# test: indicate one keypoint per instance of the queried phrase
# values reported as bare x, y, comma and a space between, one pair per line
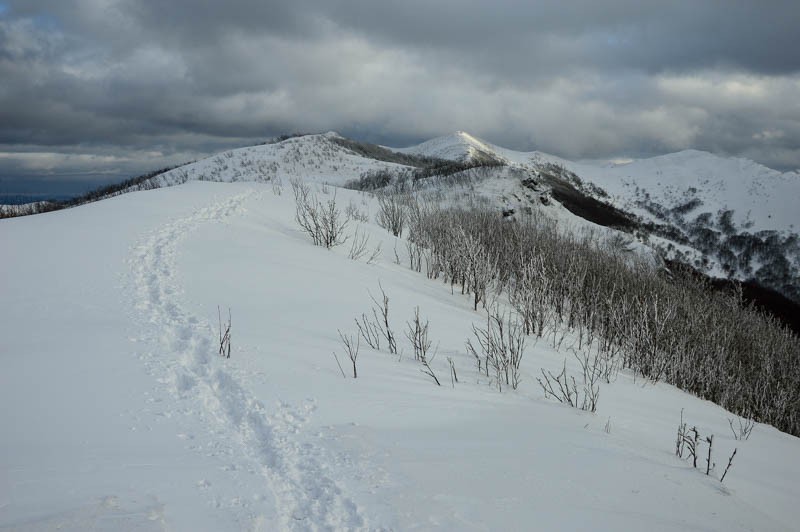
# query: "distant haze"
93, 91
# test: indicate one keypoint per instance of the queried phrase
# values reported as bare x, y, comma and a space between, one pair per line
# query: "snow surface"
460, 146
119, 415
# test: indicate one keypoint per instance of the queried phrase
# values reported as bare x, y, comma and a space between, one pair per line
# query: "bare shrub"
381, 314
351, 344
354, 213
564, 389
370, 331
500, 346
743, 429
453, 374
224, 335
359, 245
688, 443
375, 255
417, 334
392, 213
323, 222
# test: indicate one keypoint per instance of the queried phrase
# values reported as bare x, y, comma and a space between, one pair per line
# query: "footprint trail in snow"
298, 494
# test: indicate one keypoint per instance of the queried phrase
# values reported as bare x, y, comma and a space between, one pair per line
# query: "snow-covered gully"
253, 437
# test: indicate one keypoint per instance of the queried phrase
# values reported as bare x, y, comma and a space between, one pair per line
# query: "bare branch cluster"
688, 443
499, 350
322, 221
417, 334
392, 213
224, 335
743, 429
381, 314
565, 389
351, 344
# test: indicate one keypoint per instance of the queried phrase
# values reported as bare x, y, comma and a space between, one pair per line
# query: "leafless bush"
453, 374
224, 335
381, 314
743, 429
414, 251
370, 331
392, 213
376, 253
417, 334
323, 222
688, 443
351, 344
352, 212
500, 346
564, 389
359, 245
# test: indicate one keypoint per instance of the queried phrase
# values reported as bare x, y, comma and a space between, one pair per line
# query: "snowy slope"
314, 158
119, 415
757, 194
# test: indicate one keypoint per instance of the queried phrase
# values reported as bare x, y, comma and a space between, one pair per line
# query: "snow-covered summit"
458, 146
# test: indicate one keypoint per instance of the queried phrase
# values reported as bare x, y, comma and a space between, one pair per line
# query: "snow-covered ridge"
758, 195
315, 158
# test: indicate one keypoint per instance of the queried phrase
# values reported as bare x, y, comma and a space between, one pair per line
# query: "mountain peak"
457, 146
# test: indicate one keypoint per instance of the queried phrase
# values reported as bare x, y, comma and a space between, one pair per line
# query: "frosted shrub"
323, 222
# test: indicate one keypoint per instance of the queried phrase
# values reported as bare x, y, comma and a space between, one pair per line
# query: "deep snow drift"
119, 415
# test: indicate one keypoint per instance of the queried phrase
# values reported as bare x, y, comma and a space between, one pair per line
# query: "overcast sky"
103, 89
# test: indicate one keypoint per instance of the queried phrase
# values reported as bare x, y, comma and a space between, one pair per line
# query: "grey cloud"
580, 79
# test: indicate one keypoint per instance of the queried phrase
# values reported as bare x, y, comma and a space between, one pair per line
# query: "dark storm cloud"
140, 84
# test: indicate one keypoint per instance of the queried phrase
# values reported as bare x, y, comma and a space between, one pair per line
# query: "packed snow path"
207, 387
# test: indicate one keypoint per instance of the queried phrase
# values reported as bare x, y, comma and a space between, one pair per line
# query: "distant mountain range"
727, 217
